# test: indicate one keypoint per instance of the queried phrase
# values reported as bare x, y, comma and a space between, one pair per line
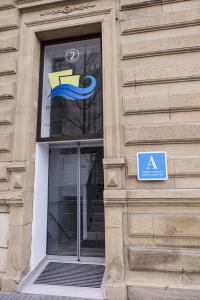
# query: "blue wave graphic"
71, 92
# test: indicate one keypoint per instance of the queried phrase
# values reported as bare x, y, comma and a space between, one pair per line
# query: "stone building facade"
151, 102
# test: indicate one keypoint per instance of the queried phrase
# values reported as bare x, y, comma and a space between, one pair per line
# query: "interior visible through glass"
62, 206
66, 165
92, 208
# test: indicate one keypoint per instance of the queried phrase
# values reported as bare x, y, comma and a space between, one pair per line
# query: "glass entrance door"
75, 207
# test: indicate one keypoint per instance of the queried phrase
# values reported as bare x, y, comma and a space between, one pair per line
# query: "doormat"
69, 274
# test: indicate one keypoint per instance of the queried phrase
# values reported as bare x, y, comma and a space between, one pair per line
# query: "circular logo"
72, 55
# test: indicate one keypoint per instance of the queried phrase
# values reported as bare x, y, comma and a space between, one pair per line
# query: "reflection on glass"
62, 206
92, 208
72, 119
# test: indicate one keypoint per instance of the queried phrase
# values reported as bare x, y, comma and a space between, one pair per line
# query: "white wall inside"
40, 203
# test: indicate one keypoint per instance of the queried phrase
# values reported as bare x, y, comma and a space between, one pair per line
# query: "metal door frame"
78, 144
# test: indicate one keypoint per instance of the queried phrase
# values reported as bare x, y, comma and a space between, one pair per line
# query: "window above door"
70, 99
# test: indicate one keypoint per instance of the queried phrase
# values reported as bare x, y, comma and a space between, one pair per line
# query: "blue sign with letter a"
152, 166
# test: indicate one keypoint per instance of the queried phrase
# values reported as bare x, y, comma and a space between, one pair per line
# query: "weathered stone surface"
157, 260
112, 168
4, 226
8, 44
191, 279
7, 90
179, 225
133, 4
3, 174
191, 262
11, 198
113, 217
169, 229
151, 104
116, 291
153, 197
8, 64
153, 293
9, 21
6, 115
3, 259
113, 162
16, 216
18, 180
5, 142
187, 166
160, 74
185, 102
161, 103
161, 46
164, 225
140, 225
114, 257
161, 21
112, 178
114, 197
16, 166
5, 4
162, 134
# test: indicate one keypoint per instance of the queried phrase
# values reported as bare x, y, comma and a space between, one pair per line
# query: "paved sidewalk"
17, 296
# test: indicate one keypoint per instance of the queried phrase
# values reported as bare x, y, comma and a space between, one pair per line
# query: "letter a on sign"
151, 164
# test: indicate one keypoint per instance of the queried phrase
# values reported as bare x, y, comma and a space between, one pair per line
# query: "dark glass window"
71, 98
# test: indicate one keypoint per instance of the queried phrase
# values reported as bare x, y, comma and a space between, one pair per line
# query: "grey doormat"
72, 274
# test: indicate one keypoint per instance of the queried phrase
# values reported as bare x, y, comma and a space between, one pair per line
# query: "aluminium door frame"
77, 144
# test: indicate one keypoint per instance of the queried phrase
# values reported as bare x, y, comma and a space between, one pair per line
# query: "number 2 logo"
72, 55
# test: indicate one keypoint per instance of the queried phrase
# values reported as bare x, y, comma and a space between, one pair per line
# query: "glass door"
62, 202
75, 207
92, 235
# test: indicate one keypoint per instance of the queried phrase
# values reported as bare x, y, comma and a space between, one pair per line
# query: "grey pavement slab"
17, 296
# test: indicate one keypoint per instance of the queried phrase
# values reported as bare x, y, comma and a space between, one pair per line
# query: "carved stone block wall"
47, 20
11, 185
160, 84
151, 75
